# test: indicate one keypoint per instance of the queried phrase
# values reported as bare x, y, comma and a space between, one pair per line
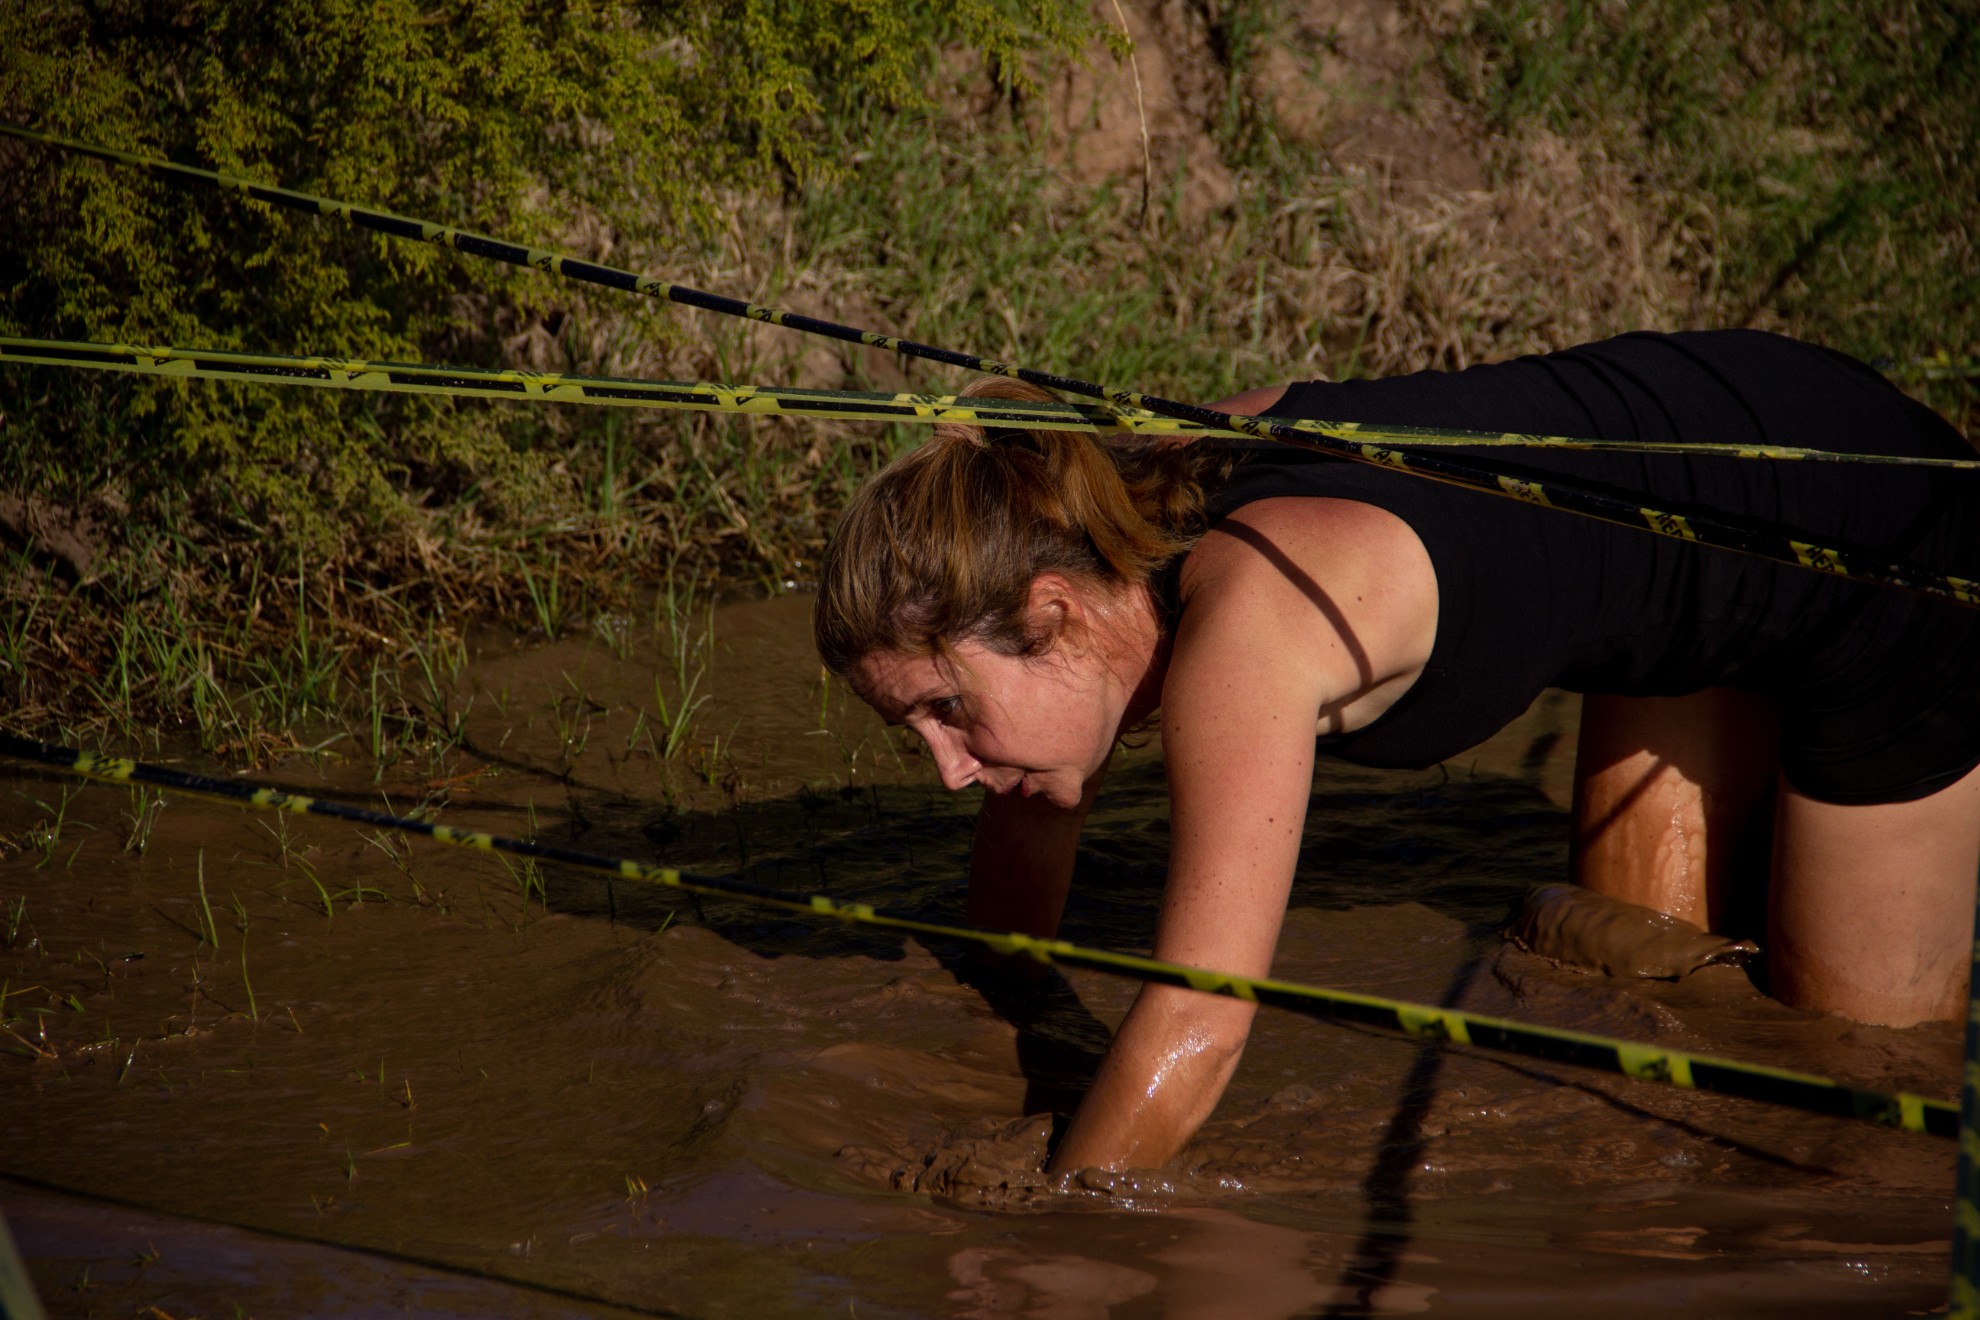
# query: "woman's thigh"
1665, 798
1871, 913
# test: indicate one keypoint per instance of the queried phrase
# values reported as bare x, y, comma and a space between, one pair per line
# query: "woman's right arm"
1021, 865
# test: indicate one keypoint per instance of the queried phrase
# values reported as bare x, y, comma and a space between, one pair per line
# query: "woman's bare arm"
1293, 610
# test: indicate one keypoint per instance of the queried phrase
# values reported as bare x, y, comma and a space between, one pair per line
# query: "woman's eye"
946, 709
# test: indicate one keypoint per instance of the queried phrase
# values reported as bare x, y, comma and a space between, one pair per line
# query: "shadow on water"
905, 850
1385, 1238
1373, 1264
1471, 847
1059, 1041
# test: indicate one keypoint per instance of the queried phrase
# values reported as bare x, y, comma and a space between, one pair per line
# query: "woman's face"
1040, 727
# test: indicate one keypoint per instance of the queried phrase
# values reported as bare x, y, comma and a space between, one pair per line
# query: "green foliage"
1239, 33
1836, 144
791, 151
626, 124
1032, 271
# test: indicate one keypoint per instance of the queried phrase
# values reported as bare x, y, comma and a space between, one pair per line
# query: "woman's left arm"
1290, 614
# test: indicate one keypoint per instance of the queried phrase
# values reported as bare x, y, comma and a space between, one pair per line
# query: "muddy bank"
322, 1034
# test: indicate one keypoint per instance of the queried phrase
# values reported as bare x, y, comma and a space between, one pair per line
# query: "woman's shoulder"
1319, 568
1315, 526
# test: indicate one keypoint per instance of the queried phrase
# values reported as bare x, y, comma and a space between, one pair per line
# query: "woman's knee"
1670, 798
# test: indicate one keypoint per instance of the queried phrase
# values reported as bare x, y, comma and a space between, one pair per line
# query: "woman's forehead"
894, 681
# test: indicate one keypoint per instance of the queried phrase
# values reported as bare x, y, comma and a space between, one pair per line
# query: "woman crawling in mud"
1022, 600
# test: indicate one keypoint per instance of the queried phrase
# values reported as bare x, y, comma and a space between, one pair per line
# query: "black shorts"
1889, 709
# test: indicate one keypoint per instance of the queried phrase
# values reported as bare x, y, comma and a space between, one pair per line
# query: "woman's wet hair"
943, 544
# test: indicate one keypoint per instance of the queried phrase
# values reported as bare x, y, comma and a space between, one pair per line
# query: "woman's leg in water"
1665, 792
1871, 913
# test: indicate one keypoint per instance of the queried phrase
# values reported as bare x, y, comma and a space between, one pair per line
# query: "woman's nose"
953, 762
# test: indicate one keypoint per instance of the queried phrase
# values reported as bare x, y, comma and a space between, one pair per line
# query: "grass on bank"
1835, 148
1777, 173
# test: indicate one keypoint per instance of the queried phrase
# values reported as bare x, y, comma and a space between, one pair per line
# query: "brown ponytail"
942, 545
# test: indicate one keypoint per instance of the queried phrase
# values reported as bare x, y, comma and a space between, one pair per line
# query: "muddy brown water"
416, 1080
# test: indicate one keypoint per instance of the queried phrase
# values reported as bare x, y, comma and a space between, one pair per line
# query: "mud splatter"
1573, 928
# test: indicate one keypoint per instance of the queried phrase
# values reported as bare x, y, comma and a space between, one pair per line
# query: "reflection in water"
1223, 1256
995, 1281
1371, 1276
705, 1108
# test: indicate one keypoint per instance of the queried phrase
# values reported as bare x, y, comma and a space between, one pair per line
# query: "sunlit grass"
1831, 144
1805, 166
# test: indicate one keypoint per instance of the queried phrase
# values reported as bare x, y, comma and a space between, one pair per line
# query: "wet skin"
1257, 642
1300, 605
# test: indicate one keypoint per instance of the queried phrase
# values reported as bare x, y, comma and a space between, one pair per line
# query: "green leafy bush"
607, 125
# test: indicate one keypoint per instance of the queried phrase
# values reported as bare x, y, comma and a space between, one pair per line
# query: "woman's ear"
1056, 616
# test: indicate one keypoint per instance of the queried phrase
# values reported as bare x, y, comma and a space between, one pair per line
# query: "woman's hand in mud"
1169, 1064
997, 1165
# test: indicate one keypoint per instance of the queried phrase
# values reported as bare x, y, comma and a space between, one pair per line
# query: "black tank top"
1530, 597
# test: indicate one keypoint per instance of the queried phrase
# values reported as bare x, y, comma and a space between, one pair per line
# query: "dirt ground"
1458, 234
